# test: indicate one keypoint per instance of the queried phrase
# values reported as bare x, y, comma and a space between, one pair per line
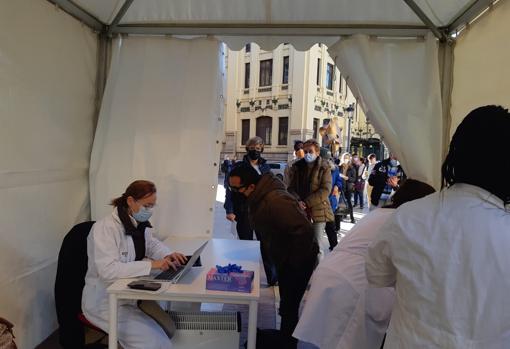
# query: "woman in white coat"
341, 311
121, 245
448, 254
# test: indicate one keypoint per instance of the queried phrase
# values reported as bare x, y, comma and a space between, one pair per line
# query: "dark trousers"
331, 233
358, 194
348, 196
293, 281
245, 232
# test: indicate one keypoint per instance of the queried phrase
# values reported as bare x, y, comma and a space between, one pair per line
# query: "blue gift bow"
230, 268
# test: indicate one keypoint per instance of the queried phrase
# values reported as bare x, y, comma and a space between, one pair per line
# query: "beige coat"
319, 182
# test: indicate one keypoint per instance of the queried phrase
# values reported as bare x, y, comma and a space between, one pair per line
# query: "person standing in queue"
289, 235
311, 185
121, 245
237, 210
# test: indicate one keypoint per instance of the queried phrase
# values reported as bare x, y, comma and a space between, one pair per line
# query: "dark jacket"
348, 184
378, 179
288, 233
235, 202
313, 188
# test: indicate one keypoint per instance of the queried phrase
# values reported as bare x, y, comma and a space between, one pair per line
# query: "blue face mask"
394, 162
143, 214
310, 157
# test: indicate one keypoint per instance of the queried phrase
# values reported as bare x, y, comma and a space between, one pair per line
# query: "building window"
246, 75
245, 131
329, 76
285, 79
266, 72
248, 48
315, 128
318, 72
283, 130
264, 128
340, 83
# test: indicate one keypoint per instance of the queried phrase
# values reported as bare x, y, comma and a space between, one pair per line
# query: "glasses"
237, 189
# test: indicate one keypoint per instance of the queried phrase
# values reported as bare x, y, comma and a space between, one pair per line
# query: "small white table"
191, 287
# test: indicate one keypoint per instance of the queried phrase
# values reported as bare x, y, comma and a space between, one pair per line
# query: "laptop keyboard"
169, 274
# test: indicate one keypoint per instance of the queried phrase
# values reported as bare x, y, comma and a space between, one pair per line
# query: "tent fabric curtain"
269, 43
398, 86
161, 120
47, 88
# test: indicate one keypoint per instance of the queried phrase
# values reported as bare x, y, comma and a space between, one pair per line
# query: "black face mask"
254, 154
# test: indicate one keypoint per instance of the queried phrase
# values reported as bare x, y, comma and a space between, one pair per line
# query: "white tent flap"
397, 82
47, 90
161, 120
269, 43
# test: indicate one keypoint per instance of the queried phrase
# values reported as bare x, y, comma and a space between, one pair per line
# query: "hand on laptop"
176, 258
163, 264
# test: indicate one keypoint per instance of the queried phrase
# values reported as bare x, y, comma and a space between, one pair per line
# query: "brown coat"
313, 188
286, 231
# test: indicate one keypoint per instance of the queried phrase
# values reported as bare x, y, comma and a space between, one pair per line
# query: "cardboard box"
231, 282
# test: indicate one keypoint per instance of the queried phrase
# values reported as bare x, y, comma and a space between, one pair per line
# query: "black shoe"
353, 221
361, 207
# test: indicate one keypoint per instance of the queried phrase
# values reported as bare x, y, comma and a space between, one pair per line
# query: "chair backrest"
69, 283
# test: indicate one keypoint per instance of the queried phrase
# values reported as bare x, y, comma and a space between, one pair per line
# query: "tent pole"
103, 66
425, 19
445, 59
467, 15
119, 16
242, 29
80, 14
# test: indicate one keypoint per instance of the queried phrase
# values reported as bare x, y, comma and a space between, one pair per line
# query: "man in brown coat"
288, 234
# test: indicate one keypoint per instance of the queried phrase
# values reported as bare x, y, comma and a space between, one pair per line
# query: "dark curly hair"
482, 129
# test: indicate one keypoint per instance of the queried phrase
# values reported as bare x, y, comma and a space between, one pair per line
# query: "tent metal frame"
459, 21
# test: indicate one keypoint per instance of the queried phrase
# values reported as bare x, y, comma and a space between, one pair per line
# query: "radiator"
206, 330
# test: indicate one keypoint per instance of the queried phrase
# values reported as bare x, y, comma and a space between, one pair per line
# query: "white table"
191, 287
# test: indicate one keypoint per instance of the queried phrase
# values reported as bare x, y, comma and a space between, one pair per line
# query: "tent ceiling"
260, 17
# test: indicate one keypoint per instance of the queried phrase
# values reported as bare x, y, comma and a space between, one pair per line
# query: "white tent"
53, 69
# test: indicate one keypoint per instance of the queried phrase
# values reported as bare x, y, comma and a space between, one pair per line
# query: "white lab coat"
111, 255
341, 311
449, 256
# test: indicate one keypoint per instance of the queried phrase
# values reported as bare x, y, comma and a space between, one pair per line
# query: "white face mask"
143, 214
310, 157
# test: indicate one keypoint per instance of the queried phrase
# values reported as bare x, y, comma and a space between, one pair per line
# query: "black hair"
246, 173
298, 144
483, 127
411, 189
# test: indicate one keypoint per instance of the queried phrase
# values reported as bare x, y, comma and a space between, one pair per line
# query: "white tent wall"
161, 120
47, 90
397, 83
481, 73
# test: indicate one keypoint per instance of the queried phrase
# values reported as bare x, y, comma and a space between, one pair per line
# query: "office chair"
69, 283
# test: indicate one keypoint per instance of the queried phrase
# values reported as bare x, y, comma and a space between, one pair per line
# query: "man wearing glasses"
237, 210
288, 234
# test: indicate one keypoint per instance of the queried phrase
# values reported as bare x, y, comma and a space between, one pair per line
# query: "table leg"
252, 324
112, 333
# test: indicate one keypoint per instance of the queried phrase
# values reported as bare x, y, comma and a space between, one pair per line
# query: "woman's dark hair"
137, 190
410, 190
485, 127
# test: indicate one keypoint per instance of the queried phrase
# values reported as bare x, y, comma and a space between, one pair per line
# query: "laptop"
174, 276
